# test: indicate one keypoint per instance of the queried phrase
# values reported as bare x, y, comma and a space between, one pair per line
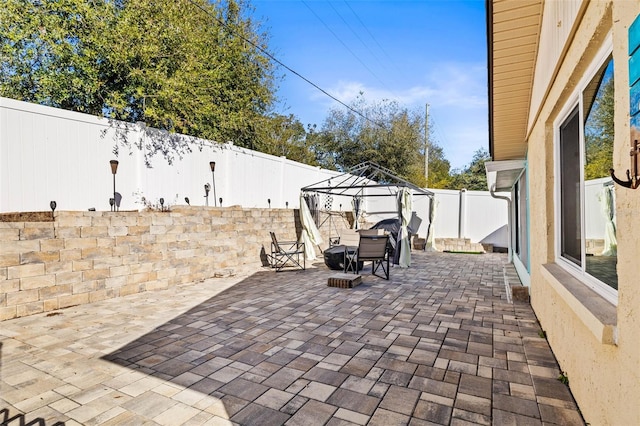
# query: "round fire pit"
334, 258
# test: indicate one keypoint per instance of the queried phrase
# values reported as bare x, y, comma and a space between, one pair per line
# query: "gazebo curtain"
431, 243
356, 204
607, 204
310, 234
405, 207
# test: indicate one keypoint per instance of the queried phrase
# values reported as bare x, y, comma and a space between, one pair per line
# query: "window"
521, 228
586, 208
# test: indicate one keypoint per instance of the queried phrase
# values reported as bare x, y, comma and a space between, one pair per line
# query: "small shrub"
563, 378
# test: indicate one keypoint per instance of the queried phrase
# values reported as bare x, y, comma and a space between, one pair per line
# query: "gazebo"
368, 180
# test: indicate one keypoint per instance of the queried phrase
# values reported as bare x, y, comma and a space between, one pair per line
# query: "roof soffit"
513, 46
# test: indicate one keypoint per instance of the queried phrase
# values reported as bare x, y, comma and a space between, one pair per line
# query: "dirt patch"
26, 217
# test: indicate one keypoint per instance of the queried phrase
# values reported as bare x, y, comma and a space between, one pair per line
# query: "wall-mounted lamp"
161, 204
632, 181
212, 165
112, 202
207, 188
269, 202
53, 206
220, 199
186, 200
114, 170
286, 203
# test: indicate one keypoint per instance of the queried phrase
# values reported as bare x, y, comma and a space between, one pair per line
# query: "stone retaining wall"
462, 245
83, 257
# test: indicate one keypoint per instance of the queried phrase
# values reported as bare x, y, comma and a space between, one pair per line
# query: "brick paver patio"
437, 344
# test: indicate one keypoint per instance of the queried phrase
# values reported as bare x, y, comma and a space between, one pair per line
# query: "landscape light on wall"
207, 188
286, 203
220, 199
114, 170
161, 204
212, 164
186, 200
112, 202
53, 206
269, 202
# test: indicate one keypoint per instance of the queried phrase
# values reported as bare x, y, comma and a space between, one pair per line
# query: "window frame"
521, 220
576, 100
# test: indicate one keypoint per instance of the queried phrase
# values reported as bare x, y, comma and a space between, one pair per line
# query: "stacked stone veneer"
84, 257
462, 244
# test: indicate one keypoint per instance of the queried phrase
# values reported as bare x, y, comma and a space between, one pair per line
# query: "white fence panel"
447, 215
51, 154
486, 218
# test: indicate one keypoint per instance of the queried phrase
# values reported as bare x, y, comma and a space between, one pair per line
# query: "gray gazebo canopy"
367, 175
369, 179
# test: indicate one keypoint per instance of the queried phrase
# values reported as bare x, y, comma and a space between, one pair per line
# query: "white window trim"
608, 293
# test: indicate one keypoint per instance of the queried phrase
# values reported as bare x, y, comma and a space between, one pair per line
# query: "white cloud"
461, 86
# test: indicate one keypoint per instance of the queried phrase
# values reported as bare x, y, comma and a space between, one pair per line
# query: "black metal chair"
373, 248
286, 253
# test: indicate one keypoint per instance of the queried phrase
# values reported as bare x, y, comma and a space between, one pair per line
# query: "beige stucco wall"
83, 257
604, 377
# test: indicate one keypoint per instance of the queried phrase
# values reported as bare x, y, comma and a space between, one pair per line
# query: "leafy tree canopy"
472, 177
439, 168
390, 135
285, 135
599, 132
193, 67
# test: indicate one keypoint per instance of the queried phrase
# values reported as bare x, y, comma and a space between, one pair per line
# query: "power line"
438, 127
282, 64
371, 35
361, 41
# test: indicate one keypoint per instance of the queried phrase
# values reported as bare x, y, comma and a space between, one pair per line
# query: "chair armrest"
287, 242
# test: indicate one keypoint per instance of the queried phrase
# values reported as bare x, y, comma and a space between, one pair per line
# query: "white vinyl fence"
48, 154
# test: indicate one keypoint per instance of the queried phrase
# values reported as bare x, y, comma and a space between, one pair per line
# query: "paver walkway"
437, 344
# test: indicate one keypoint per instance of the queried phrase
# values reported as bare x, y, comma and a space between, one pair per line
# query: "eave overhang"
502, 175
513, 34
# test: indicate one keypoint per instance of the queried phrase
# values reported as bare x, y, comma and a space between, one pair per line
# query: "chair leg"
380, 264
279, 263
347, 262
283, 258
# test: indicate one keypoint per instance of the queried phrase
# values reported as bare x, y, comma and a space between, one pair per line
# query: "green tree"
599, 131
439, 168
390, 136
473, 176
51, 52
197, 69
284, 135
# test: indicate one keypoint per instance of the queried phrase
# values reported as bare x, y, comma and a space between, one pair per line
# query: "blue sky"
415, 52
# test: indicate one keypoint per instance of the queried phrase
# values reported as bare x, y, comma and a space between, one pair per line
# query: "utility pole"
426, 144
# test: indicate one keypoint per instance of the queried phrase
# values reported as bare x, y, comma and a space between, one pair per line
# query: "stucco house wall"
596, 343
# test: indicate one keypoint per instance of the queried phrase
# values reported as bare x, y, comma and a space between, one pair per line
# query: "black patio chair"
286, 253
373, 248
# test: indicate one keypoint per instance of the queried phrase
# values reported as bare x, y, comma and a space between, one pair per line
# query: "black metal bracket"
632, 181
